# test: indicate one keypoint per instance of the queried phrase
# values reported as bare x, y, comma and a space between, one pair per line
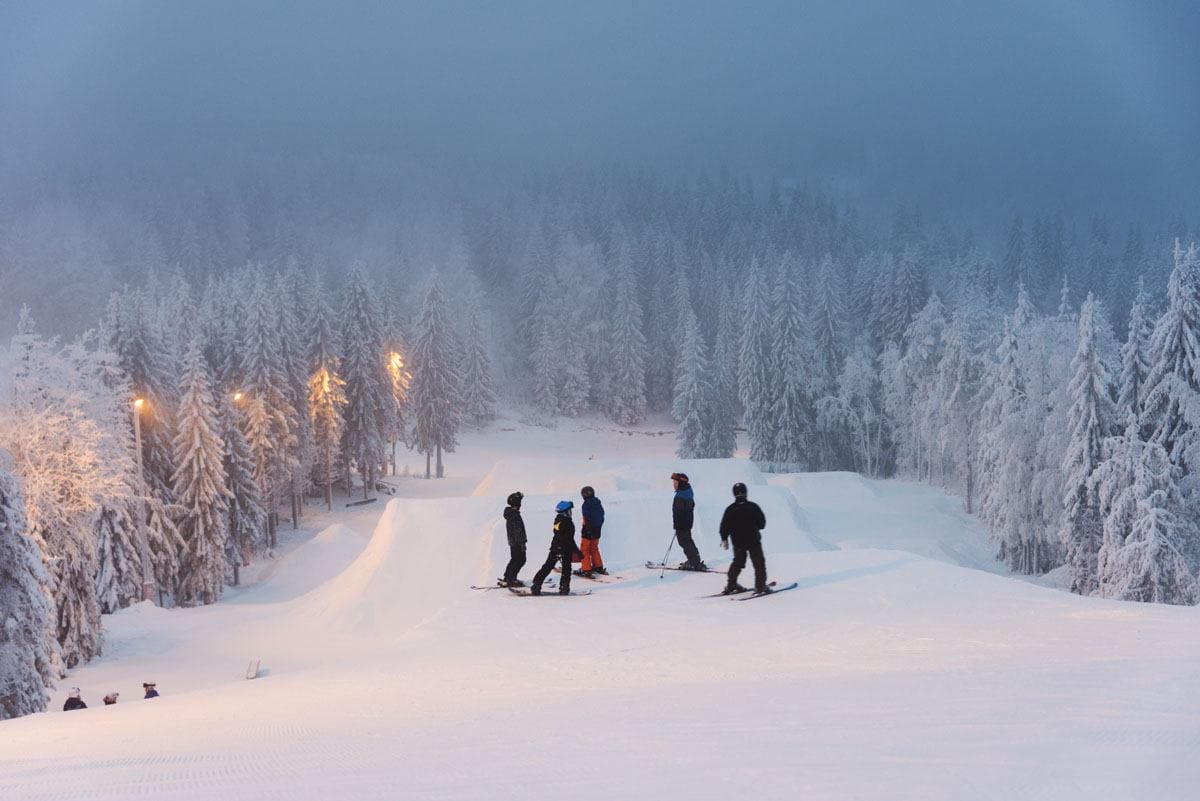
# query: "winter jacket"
151, 693
683, 508
74, 703
743, 520
563, 542
516, 528
593, 517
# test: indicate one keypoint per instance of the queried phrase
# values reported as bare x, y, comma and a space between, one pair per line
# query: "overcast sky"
1078, 103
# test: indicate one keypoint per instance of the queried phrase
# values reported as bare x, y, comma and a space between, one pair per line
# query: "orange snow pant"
591, 554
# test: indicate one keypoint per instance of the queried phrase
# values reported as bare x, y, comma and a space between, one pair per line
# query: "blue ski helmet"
564, 506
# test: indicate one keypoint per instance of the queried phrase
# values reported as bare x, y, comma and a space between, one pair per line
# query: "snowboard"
774, 591
656, 566
770, 584
555, 594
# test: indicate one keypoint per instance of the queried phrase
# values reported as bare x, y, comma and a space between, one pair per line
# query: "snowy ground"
907, 666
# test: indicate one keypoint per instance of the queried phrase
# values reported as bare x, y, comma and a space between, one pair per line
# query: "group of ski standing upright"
742, 524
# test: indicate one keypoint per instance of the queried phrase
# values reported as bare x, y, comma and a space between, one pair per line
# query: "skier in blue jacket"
589, 534
683, 508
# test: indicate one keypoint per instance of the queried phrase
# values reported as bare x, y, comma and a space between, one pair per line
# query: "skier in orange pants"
589, 535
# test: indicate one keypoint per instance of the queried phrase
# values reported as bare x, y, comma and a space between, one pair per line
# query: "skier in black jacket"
74, 701
516, 540
683, 516
562, 548
743, 523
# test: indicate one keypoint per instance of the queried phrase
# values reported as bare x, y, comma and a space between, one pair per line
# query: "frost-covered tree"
478, 398
368, 410
692, 389
755, 362
1149, 561
1091, 421
436, 380
721, 437
29, 654
1135, 354
200, 485
247, 519
1172, 394
627, 347
266, 392
791, 376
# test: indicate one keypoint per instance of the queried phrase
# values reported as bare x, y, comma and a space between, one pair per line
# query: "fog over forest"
121, 114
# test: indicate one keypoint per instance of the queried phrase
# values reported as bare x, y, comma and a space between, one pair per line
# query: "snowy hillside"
906, 666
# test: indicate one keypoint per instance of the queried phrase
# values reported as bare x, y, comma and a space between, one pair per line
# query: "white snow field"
906, 666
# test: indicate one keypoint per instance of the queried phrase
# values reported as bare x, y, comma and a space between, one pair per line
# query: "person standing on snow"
516, 540
683, 509
589, 533
743, 523
111, 698
148, 686
562, 548
74, 701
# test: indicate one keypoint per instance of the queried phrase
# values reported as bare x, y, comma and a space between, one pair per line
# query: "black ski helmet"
514, 500
739, 490
587, 492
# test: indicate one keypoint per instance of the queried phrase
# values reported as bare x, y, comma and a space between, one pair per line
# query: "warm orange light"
138, 403
396, 361
237, 396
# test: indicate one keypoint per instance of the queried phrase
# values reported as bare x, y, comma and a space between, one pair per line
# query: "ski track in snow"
906, 665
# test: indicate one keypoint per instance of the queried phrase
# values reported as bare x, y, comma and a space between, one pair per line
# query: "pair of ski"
547, 590
599, 578
660, 566
748, 594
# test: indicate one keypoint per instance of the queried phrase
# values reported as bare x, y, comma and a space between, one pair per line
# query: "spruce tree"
436, 380
1135, 354
29, 654
1091, 419
200, 485
247, 519
755, 364
722, 416
692, 404
478, 398
627, 346
790, 420
368, 410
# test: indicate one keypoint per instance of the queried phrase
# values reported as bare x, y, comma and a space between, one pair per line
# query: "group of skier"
742, 524
75, 697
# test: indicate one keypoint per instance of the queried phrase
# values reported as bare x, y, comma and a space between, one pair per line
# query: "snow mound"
313, 563
847, 511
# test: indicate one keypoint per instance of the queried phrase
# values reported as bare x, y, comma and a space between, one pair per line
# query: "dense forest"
268, 346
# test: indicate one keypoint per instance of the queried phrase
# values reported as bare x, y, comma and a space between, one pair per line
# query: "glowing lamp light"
237, 396
138, 403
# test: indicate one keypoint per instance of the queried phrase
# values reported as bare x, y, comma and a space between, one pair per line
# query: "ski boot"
734, 589
599, 571
535, 589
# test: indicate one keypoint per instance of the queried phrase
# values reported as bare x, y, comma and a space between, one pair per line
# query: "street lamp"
148, 582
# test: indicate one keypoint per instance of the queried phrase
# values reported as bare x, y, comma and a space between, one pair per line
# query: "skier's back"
517, 540
683, 515
743, 523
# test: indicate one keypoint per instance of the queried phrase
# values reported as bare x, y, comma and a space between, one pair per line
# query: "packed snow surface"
906, 666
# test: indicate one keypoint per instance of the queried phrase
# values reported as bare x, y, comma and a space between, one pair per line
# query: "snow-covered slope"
897, 671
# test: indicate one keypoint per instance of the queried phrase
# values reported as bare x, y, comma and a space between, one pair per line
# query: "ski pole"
667, 555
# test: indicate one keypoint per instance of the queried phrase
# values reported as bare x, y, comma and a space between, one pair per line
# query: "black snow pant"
749, 544
688, 545
564, 583
516, 561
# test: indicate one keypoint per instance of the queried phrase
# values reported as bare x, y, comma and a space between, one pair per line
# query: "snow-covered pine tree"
693, 387
627, 344
721, 439
915, 430
1172, 389
265, 393
292, 307
29, 653
956, 397
200, 485
247, 520
907, 294
436, 380
478, 398
1092, 418
828, 323
369, 404
1152, 564
791, 376
755, 364
1135, 354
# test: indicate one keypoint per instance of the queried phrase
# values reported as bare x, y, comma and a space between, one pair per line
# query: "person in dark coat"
562, 549
148, 686
516, 540
74, 701
683, 508
743, 523
111, 698
589, 533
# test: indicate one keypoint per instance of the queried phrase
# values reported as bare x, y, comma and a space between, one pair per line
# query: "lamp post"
148, 582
